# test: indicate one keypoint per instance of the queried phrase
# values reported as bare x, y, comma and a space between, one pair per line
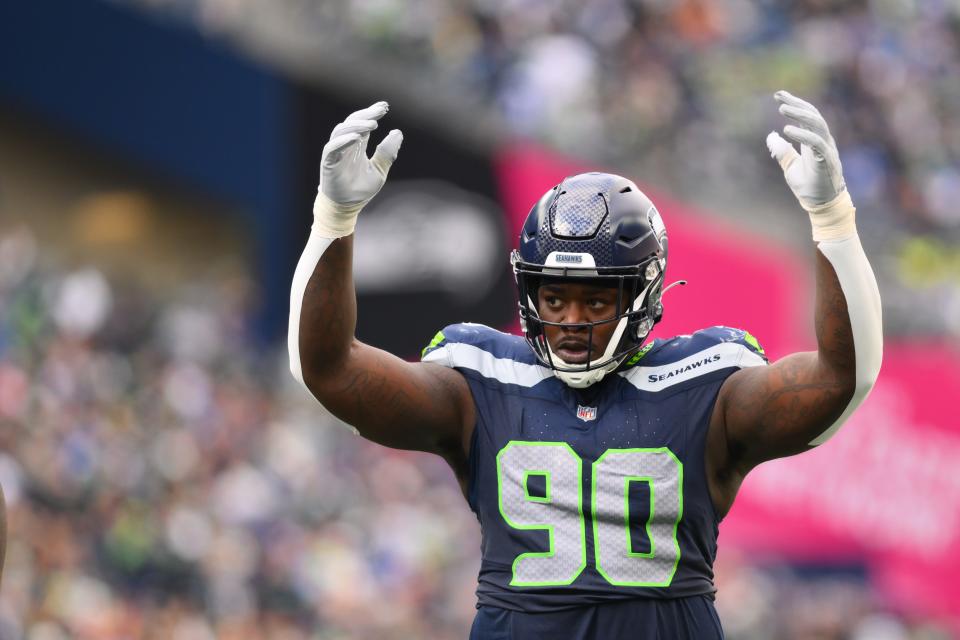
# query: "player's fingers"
387, 150
781, 150
374, 112
334, 150
353, 126
785, 97
807, 138
807, 119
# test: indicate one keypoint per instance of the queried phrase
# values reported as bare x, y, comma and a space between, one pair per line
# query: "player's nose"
576, 313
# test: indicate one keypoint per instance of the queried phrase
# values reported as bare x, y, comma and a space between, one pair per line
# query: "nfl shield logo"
586, 413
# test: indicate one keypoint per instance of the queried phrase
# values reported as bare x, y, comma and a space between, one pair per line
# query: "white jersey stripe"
507, 371
721, 356
457, 354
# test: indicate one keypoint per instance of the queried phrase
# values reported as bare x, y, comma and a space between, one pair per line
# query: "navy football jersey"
596, 496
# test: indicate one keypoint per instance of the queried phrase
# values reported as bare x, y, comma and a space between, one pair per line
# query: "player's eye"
552, 301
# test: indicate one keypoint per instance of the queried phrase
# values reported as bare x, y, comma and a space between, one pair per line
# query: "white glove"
348, 179
814, 175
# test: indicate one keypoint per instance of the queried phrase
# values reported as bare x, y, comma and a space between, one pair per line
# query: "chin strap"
582, 379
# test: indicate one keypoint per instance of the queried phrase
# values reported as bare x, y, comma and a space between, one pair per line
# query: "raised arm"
802, 399
395, 403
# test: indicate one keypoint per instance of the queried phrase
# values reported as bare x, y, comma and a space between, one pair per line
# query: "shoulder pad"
719, 334
491, 353
665, 363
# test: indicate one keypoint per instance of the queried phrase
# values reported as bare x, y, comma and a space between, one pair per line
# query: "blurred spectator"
164, 481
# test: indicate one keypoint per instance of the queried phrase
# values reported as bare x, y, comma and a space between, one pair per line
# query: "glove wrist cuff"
332, 219
833, 220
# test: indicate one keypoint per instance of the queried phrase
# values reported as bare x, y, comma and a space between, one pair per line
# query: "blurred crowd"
678, 93
166, 479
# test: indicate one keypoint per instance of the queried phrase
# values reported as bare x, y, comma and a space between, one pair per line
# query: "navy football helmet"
598, 227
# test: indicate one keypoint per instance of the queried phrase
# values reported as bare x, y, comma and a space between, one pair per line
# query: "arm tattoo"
777, 410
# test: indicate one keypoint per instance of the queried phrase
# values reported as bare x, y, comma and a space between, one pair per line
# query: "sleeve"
456, 336
752, 354
438, 341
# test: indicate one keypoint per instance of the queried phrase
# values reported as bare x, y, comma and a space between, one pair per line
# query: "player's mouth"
573, 352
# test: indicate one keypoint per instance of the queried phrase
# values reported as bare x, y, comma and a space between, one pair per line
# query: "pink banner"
886, 490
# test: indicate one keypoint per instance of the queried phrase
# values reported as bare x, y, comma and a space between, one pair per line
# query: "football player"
598, 463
